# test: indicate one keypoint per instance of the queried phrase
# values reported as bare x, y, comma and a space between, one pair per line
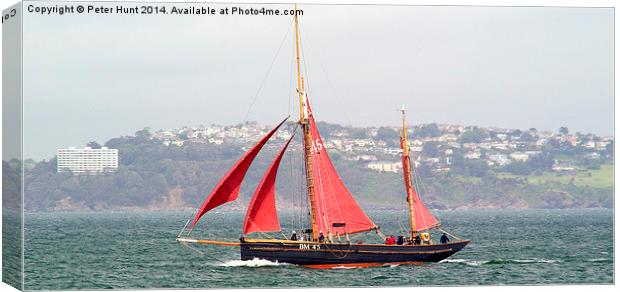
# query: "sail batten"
337, 212
262, 215
227, 189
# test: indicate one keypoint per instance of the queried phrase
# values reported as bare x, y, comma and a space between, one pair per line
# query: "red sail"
334, 203
262, 215
423, 218
227, 189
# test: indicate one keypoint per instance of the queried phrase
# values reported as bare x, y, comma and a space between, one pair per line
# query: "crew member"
400, 240
321, 236
417, 239
444, 238
294, 236
390, 240
426, 238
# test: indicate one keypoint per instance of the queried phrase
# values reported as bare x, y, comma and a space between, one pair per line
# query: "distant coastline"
458, 168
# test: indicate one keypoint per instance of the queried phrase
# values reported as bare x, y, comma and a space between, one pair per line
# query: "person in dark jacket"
321, 237
444, 238
294, 236
400, 240
417, 240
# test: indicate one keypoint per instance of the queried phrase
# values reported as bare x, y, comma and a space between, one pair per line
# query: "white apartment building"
385, 166
87, 160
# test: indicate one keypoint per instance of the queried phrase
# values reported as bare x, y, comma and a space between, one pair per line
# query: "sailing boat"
334, 213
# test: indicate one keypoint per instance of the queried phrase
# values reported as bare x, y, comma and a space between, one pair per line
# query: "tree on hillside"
93, 144
542, 161
563, 130
144, 133
390, 136
430, 149
358, 133
327, 129
386, 134
476, 135
610, 148
431, 130
527, 137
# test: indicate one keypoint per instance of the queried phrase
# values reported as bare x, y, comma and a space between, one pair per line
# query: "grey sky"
98, 77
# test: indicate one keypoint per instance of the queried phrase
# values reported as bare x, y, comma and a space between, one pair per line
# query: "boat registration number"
309, 246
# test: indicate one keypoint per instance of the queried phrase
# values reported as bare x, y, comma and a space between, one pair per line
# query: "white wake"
253, 263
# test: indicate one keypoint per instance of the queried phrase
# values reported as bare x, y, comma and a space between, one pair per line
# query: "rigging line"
305, 67
260, 88
291, 179
446, 232
193, 248
295, 219
201, 253
290, 81
295, 189
331, 85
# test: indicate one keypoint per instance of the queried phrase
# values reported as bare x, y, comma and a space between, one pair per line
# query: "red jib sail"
336, 210
423, 218
262, 215
227, 189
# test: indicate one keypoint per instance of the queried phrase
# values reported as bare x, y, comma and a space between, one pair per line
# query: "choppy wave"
599, 260
463, 261
499, 261
253, 263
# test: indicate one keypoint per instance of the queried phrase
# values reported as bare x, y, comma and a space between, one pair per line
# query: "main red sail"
337, 212
262, 215
227, 189
423, 218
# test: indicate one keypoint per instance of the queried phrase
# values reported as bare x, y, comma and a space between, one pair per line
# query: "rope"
380, 234
344, 254
446, 232
317, 54
201, 253
290, 81
260, 88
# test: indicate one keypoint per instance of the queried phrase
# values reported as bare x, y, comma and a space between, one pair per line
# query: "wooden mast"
404, 144
303, 121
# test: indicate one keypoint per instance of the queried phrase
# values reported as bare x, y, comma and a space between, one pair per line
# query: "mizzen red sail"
262, 215
227, 189
424, 220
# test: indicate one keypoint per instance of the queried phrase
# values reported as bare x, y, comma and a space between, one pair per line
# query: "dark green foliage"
390, 136
93, 144
591, 163
518, 168
11, 185
527, 137
469, 167
476, 135
430, 130
430, 149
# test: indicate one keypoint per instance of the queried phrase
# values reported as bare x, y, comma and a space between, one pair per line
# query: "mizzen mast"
404, 144
303, 121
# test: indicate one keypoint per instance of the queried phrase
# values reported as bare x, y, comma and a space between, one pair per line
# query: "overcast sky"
89, 77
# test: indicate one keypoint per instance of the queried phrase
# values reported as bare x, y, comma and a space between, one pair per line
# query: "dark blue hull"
323, 255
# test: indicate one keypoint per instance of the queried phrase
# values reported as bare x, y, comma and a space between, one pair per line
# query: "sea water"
102, 250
